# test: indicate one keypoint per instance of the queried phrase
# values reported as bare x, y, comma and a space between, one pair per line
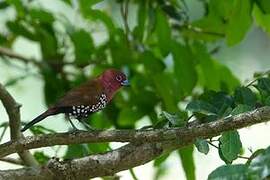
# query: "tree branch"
144, 146
186, 134
13, 111
12, 161
8, 53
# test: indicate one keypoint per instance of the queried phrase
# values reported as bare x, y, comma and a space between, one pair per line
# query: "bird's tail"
42, 116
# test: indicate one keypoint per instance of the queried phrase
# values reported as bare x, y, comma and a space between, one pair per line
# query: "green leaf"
37, 129
264, 5
175, 119
99, 15
230, 145
128, 117
76, 151
241, 108
220, 100
84, 47
199, 106
41, 157
202, 146
18, 4
187, 161
54, 86
119, 49
254, 155
262, 20
212, 74
264, 85
41, 15
95, 148
212, 26
85, 5
139, 30
260, 165
19, 28
229, 172
164, 87
267, 101
239, 22
184, 67
244, 95
163, 31
161, 159
152, 64
48, 42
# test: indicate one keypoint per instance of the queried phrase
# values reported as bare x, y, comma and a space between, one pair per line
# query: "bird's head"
113, 79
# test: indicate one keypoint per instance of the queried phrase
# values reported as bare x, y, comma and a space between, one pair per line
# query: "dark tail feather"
47, 113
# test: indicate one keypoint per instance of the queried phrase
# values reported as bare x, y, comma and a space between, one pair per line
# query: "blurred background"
74, 40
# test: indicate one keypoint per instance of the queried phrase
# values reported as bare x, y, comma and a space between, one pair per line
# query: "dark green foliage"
230, 172
257, 167
41, 157
167, 58
229, 146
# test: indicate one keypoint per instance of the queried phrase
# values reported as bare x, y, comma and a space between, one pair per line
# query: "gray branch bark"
144, 146
13, 111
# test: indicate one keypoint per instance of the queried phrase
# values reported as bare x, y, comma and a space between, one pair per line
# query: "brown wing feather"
86, 94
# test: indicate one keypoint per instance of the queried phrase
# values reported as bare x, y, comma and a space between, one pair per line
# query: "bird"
88, 98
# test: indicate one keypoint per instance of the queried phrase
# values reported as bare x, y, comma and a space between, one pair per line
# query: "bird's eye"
119, 78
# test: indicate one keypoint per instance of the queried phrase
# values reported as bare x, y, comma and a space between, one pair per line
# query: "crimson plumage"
86, 99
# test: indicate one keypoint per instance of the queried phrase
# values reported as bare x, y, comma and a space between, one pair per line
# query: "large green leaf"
264, 5
139, 30
184, 67
164, 87
230, 172
244, 95
260, 165
76, 151
152, 64
230, 145
241, 108
187, 161
262, 20
128, 117
211, 102
199, 106
41, 157
41, 16
163, 31
83, 45
239, 22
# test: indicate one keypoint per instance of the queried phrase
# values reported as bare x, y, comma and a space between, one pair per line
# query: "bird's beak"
125, 83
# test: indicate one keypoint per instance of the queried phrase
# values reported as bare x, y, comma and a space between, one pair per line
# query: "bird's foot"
87, 126
147, 127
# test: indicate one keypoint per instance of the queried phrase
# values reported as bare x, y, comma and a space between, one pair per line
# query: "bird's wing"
86, 94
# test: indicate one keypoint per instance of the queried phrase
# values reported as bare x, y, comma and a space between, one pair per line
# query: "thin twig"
3, 133
11, 54
12, 161
124, 13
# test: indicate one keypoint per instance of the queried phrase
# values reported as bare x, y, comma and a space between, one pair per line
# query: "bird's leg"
88, 127
72, 124
147, 127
